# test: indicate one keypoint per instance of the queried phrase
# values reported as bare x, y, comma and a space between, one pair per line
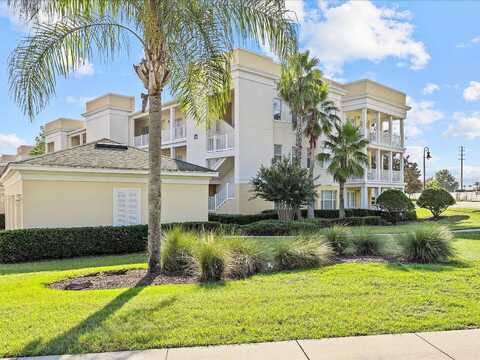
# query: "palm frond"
57, 50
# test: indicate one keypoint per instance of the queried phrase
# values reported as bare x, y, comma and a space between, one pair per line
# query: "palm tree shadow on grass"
69, 340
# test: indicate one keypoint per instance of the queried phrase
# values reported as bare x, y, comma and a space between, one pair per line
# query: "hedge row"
39, 244
2, 221
284, 228
323, 214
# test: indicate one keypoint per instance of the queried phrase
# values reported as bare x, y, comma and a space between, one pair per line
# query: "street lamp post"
426, 155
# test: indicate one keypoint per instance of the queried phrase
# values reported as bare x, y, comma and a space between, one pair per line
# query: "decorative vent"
110, 146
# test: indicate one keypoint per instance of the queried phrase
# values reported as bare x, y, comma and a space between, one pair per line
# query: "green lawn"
339, 300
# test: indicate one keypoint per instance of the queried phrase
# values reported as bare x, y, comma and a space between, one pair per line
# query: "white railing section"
220, 142
385, 175
179, 132
141, 140
386, 139
396, 140
397, 176
225, 193
372, 136
372, 174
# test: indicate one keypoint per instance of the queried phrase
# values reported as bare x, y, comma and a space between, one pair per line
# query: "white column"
402, 179
390, 165
379, 128
172, 120
402, 134
364, 122
379, 164
364, 197
173, 153
390, 130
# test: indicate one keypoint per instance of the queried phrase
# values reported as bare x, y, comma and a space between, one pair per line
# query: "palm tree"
302, 86
186, 46
345, 150
319, 121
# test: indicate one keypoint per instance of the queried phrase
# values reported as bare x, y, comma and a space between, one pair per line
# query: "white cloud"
20, 23
9, 142
472, 92
430, 88
78, 99
422, 113
476, 40
465, 125
358, 30
84, 68
297, 9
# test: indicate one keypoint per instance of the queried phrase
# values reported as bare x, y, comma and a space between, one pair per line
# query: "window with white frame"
277, 109
329, 199
351, 203
277, 152
126, 206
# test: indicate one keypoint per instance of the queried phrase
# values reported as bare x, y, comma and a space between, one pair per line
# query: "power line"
461, 157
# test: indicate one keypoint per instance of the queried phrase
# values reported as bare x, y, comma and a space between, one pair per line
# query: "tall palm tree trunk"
298, 151
311, 205
341, 206
154, 181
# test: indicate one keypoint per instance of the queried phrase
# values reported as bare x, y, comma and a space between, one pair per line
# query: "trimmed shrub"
437, 200
394, 202
2, 221
211, 258
177, 252
39, 244
246, 259
429, 243
243, 219
359, 221
279, 228
366, 244
303, 253
337, 237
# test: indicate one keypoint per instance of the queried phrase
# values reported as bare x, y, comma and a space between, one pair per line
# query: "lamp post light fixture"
426, 155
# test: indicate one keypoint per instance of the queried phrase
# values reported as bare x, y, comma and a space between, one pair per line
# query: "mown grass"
338, 300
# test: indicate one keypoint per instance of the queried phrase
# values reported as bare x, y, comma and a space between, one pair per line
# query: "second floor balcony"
178, 133
220, 142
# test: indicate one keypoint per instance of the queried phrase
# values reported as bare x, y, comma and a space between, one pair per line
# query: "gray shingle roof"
93, 155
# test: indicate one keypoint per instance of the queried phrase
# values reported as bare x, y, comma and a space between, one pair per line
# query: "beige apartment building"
256, 129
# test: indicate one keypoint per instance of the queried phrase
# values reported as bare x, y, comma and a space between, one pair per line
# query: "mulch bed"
130, 278
119, 279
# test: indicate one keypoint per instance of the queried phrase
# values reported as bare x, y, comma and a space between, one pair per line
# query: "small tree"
394, 202
413, 184
446, 180
286, 184
39, 148
437, 200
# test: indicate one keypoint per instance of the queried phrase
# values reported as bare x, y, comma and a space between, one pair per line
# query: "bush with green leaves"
211, 258
286, 184
239, 219
429, 243
246, 258
437, 200
177, 252
338, 238
366, 244
306, 252
394, 202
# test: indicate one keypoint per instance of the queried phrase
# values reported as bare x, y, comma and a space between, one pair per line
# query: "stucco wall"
50, 203
2, 201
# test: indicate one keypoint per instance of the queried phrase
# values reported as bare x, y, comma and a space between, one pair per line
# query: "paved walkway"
458, 345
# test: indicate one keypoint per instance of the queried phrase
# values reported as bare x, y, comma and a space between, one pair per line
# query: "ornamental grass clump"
177, 252
211, 257
305, 252
338, 238
366, 244
245, 259
429, 243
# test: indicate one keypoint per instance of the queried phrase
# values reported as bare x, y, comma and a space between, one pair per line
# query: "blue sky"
427, 49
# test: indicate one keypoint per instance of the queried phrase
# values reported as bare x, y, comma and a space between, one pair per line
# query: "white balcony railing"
141, 140
372, 174
179, 132
220, 142
385, 175
396, 140
386, 139
372, 136
397, 176
226, 192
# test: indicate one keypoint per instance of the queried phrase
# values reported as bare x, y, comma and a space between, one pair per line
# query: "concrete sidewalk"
445, 345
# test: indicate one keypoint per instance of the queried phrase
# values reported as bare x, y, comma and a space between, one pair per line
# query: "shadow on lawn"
72, 264
69, 341
438, 267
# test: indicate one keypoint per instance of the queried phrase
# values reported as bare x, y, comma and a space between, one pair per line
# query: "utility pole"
461, 156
